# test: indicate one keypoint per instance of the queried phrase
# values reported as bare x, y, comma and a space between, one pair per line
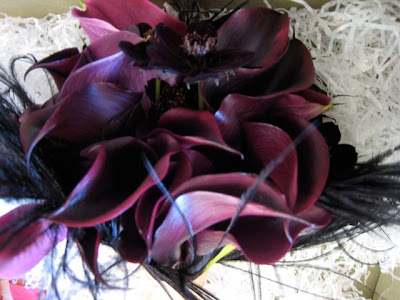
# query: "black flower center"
169, 97
200, 39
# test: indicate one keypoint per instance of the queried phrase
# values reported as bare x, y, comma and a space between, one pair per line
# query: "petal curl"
80, 117
96, 28
236, 109
294, 72
116, 69
124, 13
130, 244
59, 64
313, 161
88, 242
203, 209
259, 30
23, 247
265, 144
103, 193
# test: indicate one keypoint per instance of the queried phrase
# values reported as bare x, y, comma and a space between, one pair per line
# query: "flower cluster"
167, 128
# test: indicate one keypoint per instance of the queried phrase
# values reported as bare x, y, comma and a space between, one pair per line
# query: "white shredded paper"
356, 50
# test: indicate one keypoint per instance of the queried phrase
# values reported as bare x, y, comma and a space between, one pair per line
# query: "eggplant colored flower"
282, 205
252, 37
200, 170
208, 161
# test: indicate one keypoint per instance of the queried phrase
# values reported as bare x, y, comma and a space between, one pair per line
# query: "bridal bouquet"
174, 140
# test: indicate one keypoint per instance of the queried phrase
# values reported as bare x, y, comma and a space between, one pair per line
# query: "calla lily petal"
294, 72
262, 152
115, 69
267, 242
103, 193
259, 30
313, 161
186, 122
147, 208
88, 242
130, 244
107, 45
208, 240
236, 108
124, 13
59, 65
24, 247
235, 184
315, 97
32, 121
80, 117
202, 209
96, 28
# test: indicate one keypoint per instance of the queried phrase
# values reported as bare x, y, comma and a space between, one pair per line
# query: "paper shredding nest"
356, 50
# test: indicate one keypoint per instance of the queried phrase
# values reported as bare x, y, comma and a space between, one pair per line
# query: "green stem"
158, 90
200, 97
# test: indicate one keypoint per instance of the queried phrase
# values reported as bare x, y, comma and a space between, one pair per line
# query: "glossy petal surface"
103, 193
24, 247
294, 72
203, 209
259, 30
124, 13
80, 117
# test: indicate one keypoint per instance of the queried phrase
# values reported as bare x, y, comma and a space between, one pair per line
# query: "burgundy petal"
259, 30
124, 13
148, 205
208, 240
59, 64
32, 121
96, 28
313, 161
107, 45
236, 108
186, 122
261, 152
235, 184
21, 248
294, 72
262, 240
88, 241
130, 244
166, 52
315, 97
116, 69
80, 117
202, 209
103, 193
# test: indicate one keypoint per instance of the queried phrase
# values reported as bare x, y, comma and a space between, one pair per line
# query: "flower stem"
158, 90
200, 97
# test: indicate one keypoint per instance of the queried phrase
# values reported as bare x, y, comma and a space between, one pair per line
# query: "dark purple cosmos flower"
252, 37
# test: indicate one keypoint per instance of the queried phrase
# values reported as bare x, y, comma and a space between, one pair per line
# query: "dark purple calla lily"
80, 117
294, 72
88, 242
122, 14
23, 247
59, 64
236, 108
209, 200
